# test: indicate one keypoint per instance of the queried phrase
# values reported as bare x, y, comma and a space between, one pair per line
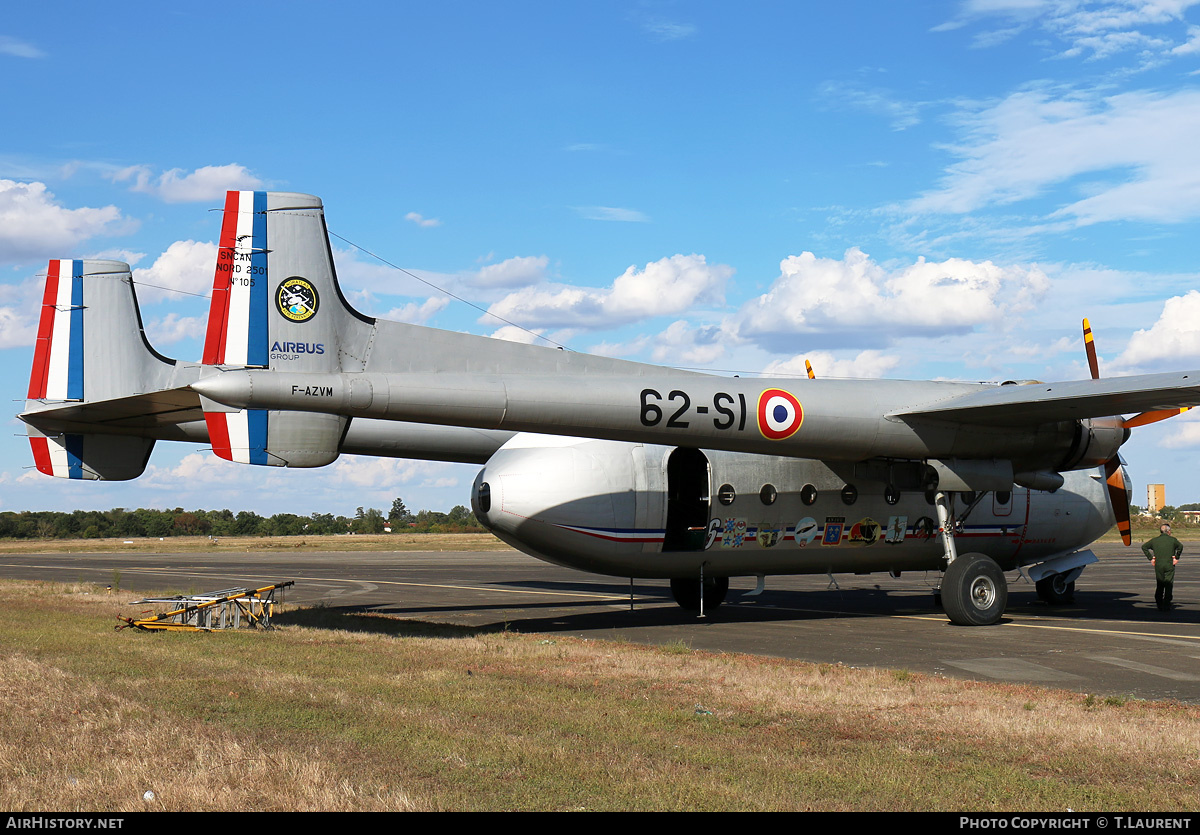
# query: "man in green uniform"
1163, 552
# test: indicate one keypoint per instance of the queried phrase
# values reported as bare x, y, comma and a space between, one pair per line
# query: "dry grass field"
332, 712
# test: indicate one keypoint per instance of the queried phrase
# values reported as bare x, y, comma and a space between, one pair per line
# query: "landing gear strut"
974, 590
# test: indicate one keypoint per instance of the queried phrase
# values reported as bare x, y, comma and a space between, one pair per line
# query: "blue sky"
908, 190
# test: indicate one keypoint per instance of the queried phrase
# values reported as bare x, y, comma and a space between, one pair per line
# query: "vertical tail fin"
90, 347
276, 304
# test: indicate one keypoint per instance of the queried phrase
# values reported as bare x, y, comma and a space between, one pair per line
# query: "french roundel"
779, 414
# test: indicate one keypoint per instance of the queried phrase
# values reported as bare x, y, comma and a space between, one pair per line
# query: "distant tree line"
119, 522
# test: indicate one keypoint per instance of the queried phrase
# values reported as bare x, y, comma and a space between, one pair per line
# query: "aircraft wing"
1034, 403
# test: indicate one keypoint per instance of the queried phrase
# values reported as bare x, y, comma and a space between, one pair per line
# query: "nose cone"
565, 500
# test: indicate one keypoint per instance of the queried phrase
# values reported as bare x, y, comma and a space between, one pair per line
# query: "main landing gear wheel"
974, 591
686, 592
1055, 591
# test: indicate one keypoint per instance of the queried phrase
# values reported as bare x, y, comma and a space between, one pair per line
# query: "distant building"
1156, 497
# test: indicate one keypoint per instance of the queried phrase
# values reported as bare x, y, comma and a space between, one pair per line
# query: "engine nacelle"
1096, 442
566, 500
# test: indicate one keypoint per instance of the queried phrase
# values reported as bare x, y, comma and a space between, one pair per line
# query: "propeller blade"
808, 365
1146, 418
1089, 345
1118, 497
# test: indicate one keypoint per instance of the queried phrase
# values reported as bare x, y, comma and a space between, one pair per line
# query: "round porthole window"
726, 494
768, 494
808, 494
849, 494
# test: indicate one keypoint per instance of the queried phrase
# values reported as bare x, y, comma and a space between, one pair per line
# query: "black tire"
686, 592
1054, 591
974, 591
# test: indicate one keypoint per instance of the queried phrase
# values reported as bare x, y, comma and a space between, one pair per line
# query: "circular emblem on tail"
297, 299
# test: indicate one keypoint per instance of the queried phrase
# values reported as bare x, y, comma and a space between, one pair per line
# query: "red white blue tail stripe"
237, 320
239, 436
60, 456
58, 358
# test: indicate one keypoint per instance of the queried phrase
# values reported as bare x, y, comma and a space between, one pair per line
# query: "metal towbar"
224, 609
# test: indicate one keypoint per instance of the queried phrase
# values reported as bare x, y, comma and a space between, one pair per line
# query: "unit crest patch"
297, 299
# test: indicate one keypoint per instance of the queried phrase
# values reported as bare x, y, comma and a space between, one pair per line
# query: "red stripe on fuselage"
218, 312
41, 353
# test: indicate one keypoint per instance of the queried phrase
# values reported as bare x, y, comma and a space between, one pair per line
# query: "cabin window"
1003, 497
485, 497
768, 494
891, 494
849, 494
726, 494
808, 494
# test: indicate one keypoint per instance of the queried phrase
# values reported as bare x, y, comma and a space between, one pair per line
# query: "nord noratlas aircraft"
605, 465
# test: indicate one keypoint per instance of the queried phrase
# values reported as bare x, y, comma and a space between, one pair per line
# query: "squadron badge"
297, 299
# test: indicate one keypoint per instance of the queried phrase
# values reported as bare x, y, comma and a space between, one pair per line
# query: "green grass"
366, 712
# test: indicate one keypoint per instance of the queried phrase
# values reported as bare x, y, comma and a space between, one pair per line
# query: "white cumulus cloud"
382, 473
858, 298
174, 186
868, 364
186, 265
417, 313
511, 333
18, 327
512, 272
34, 225
684, 343
174, 328
1175, 337
667, 286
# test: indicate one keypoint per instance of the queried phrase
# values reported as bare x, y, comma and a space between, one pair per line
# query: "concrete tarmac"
1111, 641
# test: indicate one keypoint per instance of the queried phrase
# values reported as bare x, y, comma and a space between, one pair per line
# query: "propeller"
1118, 490
1114, 476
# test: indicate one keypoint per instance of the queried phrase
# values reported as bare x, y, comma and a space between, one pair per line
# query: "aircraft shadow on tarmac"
653, 606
